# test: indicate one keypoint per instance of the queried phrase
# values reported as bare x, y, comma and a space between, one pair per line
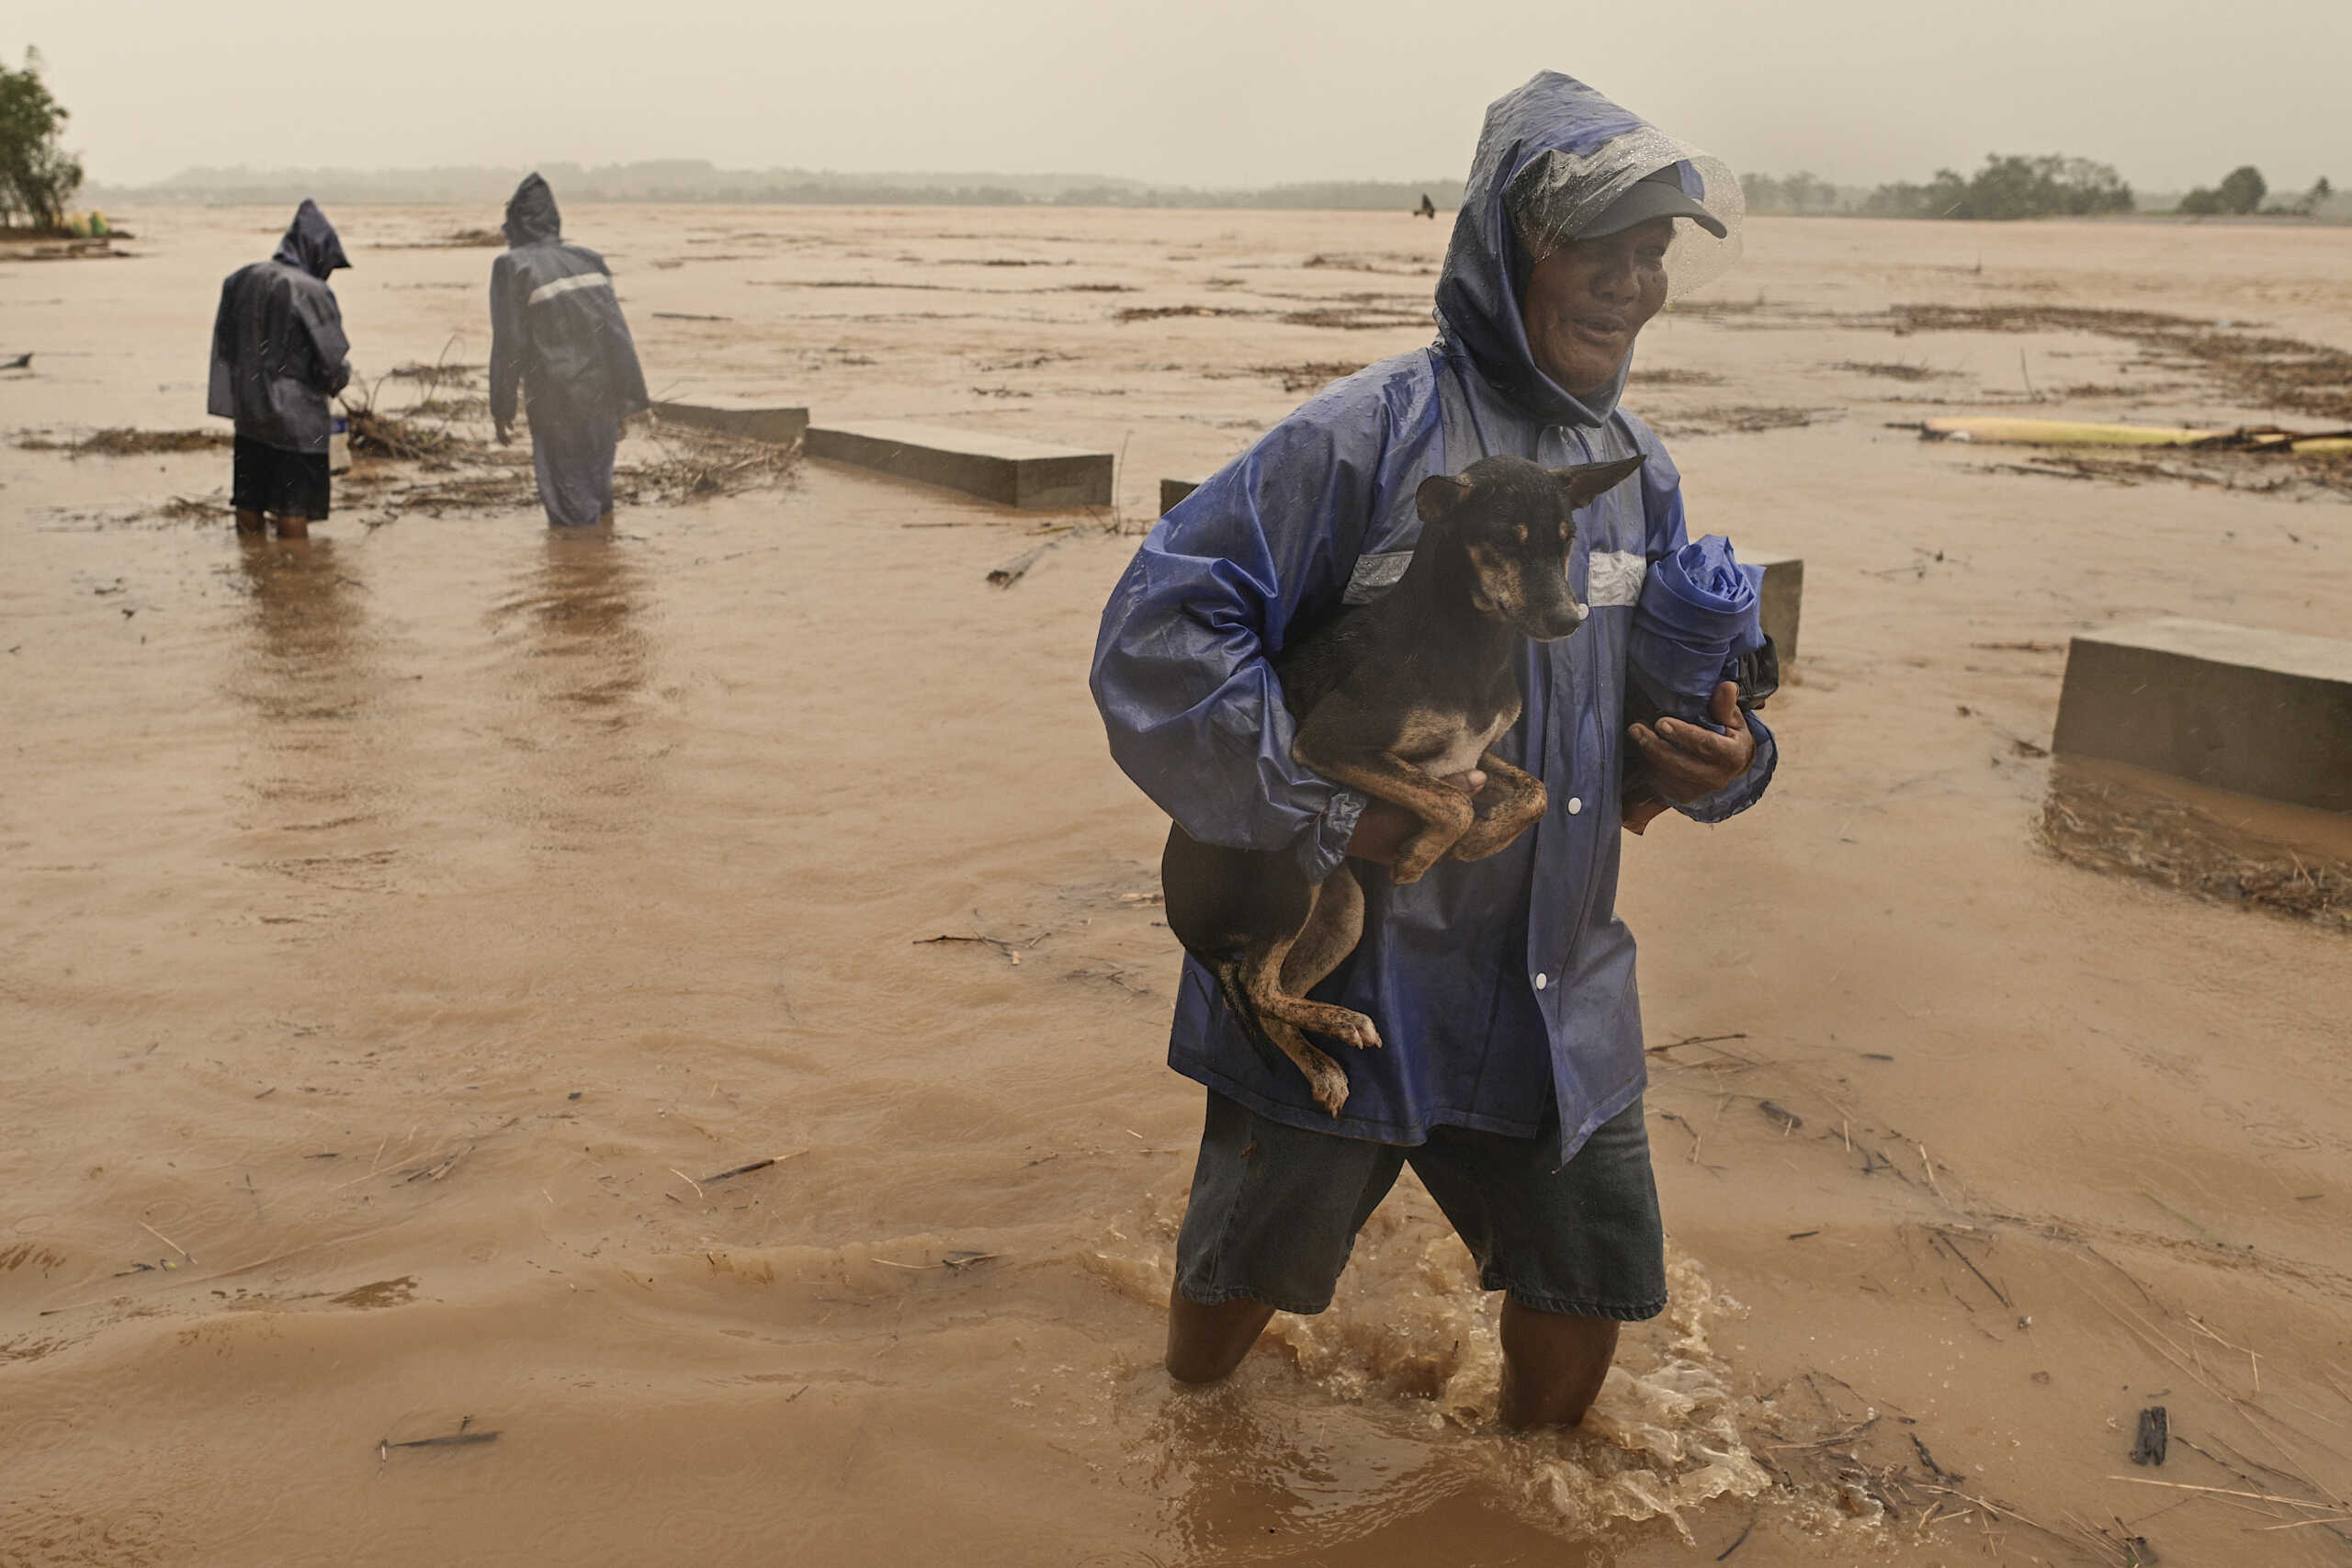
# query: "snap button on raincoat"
1498, 985
279, 352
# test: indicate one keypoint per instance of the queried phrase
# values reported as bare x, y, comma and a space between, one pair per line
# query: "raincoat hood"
531, 216
1605, 150
311, 244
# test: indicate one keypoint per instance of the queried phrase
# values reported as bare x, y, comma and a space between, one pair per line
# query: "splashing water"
1412, 1341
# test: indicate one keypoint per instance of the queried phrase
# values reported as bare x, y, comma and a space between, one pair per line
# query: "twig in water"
2225, 1492
461, 1438
2253, 1360
1954, 1248
1932, 1182
687, 1179
2184, 1219
1011, 952
746, 1169
1739, 1539
167, 1241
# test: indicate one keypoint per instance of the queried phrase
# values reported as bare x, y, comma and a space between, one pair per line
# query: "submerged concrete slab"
2262, 713
746, 419
1783, 597
1004, 469
1173, 491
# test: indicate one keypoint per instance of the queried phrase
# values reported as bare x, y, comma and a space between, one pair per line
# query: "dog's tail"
1227, 970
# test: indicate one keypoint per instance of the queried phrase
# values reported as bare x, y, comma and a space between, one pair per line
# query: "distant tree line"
2005, 188
689, 180
2242, 191
2011, 187
37, 178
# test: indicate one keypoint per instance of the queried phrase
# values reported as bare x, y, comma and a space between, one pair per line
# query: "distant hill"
697, 180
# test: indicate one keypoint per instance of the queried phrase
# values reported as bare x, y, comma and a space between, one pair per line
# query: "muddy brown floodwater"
403, 934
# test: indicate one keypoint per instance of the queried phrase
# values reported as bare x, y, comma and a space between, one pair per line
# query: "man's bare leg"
1553, 1365
1205, 1343
250, 522
292, 527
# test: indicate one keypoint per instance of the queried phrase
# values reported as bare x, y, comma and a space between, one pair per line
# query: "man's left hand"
1689, 761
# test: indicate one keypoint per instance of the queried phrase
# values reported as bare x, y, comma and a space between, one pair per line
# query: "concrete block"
2261, 713
746, 419
1006, 470
1173, 491
1783, 597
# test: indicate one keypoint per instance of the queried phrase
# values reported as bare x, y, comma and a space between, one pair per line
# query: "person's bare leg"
1205, 1343
292, 527
250, 522
1553, 1365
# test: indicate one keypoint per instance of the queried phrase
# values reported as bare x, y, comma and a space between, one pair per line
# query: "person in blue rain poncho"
278, 353
1513, 1073
558, 340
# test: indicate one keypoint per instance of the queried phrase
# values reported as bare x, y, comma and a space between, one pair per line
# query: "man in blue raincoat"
1513, 1074
557, 338
278, 353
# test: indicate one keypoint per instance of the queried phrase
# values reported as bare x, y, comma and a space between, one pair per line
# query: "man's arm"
322, 321
506, 348
1706, 776
221, 391
1190, 702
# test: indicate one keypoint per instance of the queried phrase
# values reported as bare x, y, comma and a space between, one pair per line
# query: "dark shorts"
282, 483
1275, 1210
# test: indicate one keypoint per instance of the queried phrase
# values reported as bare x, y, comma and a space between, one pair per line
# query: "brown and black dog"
1391, 698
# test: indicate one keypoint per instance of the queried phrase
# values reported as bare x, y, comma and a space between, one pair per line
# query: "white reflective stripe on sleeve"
1615, 578
547, 291
1376, 575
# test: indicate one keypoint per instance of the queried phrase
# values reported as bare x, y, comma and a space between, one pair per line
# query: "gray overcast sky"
1211, 92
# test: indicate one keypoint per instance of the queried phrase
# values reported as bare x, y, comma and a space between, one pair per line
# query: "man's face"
1589, 299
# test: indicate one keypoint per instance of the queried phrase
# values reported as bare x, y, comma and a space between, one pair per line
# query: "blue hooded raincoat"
1500, 984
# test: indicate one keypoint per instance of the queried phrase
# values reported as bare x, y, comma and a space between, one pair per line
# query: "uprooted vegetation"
2094, 823
429, 458
128, 443
1736, 420
1893, 370
2298, 476
2281, 373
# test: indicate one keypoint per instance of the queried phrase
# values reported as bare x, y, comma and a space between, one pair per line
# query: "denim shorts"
1275, 1210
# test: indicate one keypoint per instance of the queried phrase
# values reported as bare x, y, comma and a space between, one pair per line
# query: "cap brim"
1648, 200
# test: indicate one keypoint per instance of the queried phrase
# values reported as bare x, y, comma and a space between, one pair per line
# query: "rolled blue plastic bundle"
1698, 612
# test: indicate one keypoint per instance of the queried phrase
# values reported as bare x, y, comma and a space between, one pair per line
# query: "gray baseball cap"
1657, 195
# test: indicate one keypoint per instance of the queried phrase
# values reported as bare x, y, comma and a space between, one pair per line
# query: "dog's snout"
1564, 620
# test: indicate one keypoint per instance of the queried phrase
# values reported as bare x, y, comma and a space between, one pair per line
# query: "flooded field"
479, 1080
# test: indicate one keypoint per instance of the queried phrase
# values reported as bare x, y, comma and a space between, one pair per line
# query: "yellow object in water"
2072, 432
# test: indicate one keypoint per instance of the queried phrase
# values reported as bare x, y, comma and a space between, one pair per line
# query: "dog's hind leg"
1250, 987
1332, 932
1325, 1079
1264, 973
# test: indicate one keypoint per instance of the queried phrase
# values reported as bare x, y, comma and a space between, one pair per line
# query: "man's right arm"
1191, 705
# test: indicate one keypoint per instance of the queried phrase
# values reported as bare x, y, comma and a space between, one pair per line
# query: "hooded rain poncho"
279, 352
1501, 984
557, 332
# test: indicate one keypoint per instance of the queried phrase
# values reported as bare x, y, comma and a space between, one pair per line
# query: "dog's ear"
1588, 482
1439, 495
